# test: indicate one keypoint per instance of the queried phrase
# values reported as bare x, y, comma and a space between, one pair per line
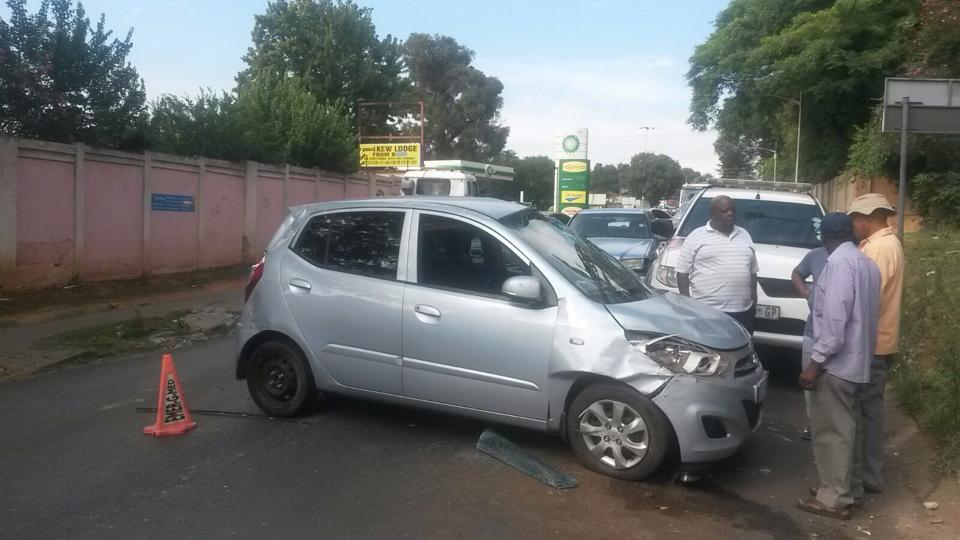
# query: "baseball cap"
870, 203
836, 226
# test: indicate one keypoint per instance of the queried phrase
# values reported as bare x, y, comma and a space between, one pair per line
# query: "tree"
653, 177
206, 125
331, 47
607, 178
535, 176
936, 49
272, 120
765, 53
462, 104
282, 122
61, 80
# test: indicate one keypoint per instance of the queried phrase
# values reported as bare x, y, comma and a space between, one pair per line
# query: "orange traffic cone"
173, 416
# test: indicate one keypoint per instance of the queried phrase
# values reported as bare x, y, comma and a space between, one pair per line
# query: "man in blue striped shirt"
718, 265
845, 337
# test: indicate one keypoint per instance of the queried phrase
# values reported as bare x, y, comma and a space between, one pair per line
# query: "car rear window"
768, 222
611, 225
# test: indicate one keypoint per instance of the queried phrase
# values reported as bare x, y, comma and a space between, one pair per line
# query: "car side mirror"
523, 289
662, 227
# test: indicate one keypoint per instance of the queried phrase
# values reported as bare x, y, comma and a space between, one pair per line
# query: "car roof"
765, 194
492, 208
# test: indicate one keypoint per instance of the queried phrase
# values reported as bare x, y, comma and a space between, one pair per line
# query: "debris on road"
503, 450
931, 505
209, 319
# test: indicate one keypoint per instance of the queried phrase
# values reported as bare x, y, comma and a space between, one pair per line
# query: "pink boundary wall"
74, 212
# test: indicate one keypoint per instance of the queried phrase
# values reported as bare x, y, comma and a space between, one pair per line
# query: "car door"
464, 342
341, 281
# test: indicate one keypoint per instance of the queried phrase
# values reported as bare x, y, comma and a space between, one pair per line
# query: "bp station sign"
572, 188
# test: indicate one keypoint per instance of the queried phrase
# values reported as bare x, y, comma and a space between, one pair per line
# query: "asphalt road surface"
74, 464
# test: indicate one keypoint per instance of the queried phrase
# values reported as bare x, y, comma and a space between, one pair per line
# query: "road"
74, 463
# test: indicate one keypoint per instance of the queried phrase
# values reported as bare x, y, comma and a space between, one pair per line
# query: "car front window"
768, 222
611, 226
596, 274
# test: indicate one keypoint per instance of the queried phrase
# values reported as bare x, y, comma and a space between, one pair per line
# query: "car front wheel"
616, 431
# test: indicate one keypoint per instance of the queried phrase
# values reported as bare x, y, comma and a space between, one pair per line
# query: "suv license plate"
768, 312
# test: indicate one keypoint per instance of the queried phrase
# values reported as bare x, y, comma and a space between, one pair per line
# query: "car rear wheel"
616, 431
279, 380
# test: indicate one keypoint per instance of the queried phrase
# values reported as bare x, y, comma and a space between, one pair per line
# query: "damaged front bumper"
714, 416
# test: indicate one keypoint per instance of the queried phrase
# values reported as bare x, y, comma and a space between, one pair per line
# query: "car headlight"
680, 355
637, 265
668, 276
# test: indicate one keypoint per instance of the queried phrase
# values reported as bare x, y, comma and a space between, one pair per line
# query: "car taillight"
256, 272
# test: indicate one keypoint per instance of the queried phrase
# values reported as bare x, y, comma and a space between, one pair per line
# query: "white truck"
454, 177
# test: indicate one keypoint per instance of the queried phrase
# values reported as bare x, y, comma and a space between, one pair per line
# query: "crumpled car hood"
624, 248
675, 314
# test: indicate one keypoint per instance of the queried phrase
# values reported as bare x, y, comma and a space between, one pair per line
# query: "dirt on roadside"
31, 306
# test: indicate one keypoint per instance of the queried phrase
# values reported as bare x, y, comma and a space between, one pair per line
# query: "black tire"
280, 380
658, 433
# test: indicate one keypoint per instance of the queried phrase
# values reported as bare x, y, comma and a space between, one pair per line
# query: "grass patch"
926, 377
128, 337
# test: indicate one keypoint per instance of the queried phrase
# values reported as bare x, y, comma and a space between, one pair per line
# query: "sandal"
857, 501
815, 507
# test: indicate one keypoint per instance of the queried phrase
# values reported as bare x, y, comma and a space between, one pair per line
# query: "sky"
611, 66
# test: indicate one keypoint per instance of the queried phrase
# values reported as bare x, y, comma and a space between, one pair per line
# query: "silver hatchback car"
487, 309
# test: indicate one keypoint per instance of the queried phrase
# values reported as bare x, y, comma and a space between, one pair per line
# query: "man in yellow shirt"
870, 214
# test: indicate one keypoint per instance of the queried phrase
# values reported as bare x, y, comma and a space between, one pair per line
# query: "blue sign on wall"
169, 202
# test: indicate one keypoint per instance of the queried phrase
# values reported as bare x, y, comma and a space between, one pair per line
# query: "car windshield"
768, 222
433, 186
611, 225
596, 274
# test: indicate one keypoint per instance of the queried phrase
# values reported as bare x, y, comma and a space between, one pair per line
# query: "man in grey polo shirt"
718, 265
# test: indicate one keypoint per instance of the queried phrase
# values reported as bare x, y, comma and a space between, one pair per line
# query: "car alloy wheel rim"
614, 433
279, 379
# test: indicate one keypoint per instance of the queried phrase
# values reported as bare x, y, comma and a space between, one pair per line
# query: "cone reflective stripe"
173, 416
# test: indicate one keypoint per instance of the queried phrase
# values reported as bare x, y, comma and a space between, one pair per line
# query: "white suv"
784, 221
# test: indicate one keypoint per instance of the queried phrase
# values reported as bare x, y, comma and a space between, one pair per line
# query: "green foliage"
653, 177
873, 153
205, 125
937, 196
534, 175
607, 178
937, 46
765, 53
926, 376
331, 47
63, 80
282, 122
270, 120
462, 103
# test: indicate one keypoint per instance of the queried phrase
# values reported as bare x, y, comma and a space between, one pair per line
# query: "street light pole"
796, 168
646, 131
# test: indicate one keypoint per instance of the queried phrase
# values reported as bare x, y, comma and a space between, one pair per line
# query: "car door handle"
429, 311
301, 284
